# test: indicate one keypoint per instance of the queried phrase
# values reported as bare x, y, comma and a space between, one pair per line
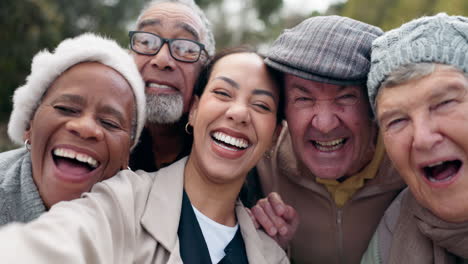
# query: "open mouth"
229, 142
331, 145
442, 171
72, 162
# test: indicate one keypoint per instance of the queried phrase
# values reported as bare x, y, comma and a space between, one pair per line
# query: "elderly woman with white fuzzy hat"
79, 114
418, 86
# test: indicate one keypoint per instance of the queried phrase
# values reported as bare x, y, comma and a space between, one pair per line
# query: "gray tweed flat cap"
329, 49
439, 39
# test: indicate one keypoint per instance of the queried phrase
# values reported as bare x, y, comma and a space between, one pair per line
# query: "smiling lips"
229, 142
80, 157
328, 146
74, 166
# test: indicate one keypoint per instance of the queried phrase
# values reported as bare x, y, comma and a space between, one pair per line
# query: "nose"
239, 113
325, 119
426, 133
163, 59
85, 127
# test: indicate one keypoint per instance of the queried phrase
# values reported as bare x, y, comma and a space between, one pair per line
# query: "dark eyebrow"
236, 85
80, 100
263, 92
300, 88
156, 21
305, 90
342, 87
148, 22
109, 110
229, 81
70, 98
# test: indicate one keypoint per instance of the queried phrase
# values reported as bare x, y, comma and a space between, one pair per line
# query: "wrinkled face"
80, 133
424, 124
169, 83
235, 119
330, 127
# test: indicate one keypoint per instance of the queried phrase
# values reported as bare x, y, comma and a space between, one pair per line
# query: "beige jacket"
130, 218
327, 233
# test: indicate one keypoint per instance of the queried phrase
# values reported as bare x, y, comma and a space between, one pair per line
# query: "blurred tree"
27, 26
240, 22
389, 14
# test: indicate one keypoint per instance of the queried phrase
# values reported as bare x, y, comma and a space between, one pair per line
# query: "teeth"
435, 164
436, 180
68, 153
238, 142
330, 143
159, 86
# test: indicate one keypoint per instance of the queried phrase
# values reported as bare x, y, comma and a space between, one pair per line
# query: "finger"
257, 226
264, 220
277, 203
292, 218
290, 214
278, 221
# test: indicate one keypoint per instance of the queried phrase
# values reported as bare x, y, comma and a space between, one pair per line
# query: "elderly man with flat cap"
329, 163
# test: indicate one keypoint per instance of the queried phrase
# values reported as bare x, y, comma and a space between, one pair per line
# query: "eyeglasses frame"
164, 41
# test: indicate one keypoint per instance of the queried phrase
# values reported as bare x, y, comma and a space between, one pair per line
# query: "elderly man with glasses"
169, 72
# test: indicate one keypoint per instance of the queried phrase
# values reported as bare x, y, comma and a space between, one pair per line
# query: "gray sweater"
19, 197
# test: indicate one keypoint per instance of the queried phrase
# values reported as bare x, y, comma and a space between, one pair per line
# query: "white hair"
414, 71
208, 37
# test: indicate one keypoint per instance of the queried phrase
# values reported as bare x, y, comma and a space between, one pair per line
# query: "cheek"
298, 121
119, 151
140, 60
396, 151
267, 126
456, 130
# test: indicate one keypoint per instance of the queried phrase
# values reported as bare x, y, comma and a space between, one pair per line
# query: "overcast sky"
307, 6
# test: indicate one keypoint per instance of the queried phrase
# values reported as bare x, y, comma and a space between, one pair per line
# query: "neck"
168, 142
215, 200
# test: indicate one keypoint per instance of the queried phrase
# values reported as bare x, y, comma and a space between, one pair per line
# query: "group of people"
348, 142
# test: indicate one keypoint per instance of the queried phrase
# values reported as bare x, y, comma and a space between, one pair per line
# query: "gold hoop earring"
187, 128
27, 144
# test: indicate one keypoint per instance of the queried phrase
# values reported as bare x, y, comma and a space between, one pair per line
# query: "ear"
27, 133
193, 109
276, 134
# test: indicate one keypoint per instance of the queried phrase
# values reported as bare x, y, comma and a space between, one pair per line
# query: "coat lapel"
249, 234
162, 212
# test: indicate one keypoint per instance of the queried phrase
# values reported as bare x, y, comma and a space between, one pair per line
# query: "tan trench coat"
130, 218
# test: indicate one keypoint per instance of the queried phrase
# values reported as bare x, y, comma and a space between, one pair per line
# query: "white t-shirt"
217, 236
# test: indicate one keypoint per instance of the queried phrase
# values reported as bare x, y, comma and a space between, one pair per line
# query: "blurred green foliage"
389, 14
27, 26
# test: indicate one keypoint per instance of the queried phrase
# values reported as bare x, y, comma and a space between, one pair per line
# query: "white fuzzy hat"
46, 67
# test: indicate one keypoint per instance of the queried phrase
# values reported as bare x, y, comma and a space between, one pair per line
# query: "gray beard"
164, 108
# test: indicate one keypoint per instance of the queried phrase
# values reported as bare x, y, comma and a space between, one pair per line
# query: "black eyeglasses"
147, 43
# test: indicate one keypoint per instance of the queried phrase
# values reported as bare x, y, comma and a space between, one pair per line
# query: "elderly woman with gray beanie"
79, 114
418, 86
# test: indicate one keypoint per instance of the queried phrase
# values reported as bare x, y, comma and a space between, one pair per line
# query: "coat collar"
162, 212
250, 235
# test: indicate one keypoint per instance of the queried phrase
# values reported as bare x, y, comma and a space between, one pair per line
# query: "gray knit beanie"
438, 39
329, 49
